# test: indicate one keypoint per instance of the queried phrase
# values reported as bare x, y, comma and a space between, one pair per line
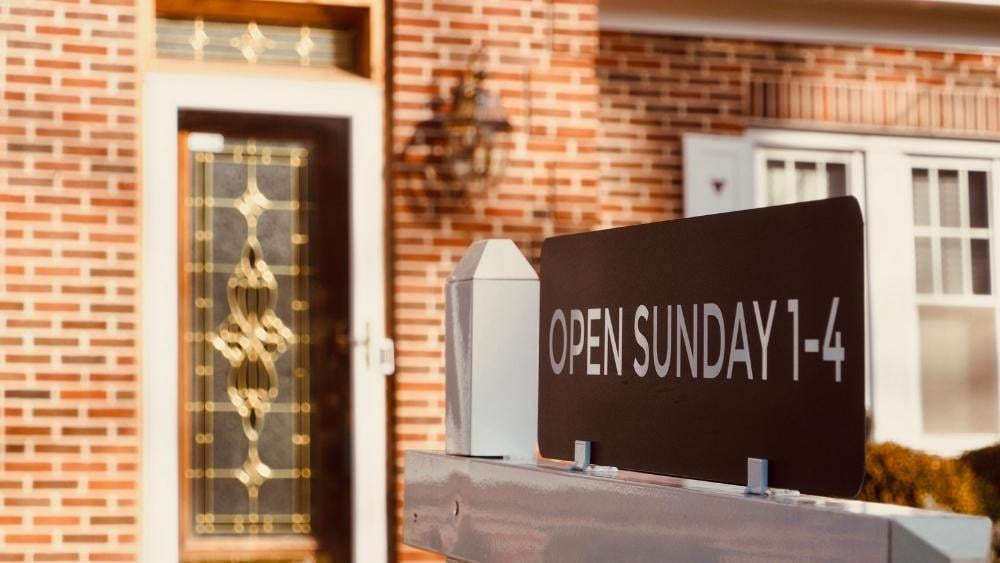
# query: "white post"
491, 353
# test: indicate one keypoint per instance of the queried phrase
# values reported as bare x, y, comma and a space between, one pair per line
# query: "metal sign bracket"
757, 480
581, 461
581, 455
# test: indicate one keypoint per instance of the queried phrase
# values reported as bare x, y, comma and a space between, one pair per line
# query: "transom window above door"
335, 39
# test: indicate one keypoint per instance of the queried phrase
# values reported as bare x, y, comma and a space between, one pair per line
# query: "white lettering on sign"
682, 336
576, 348
558, 317
616, 345
661, 368
593, 341
712, 370
764, 331
641, 313
741, 354
598, 334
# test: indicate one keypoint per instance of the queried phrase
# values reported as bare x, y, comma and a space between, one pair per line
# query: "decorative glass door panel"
250, 406
265, 391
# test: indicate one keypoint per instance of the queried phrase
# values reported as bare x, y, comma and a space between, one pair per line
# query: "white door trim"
164, 94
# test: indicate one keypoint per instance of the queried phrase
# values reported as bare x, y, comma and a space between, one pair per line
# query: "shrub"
898, 475
985, 464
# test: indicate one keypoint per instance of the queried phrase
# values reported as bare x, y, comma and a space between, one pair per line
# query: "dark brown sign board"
685, 347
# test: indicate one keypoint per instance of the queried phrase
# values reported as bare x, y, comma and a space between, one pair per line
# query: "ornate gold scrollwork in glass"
268, 459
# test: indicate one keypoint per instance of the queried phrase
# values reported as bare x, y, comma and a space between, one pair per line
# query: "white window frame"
880, 177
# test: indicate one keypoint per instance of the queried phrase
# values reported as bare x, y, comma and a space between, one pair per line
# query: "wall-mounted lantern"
472, 140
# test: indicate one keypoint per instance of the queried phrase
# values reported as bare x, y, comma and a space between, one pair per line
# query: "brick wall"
539, 55
68, 484
597, 121
655, 88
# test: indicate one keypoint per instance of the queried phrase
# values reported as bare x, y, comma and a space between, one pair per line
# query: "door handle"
387, 356
381, 352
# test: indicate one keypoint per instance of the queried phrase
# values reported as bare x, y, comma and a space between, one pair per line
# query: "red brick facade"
69, 372
598, 119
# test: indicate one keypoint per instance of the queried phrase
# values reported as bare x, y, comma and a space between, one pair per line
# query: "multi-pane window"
265, 367
956, 307
795, 176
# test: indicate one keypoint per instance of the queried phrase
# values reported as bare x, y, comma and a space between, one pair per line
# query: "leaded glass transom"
253, 43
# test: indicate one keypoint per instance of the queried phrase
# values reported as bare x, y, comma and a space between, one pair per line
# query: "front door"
265, 414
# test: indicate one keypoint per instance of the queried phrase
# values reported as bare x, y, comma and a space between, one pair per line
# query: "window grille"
252, 43
795, 176
955, 307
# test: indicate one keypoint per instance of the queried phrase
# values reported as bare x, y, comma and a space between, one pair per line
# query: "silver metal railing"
474, 509
904, 108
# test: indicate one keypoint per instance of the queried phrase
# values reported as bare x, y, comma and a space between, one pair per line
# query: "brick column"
68, 243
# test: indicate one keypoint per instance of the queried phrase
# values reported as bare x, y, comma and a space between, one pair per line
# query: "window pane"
980, 266
951, 265
948, 195
249, 341
776, 192
958, 369
198, 39
836, 179
978, 204
925, 267
921, 197
807, 182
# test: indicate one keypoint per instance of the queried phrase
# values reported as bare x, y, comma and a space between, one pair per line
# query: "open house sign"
583, 338
686, 347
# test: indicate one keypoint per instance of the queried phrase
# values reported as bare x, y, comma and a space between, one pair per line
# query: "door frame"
164, 96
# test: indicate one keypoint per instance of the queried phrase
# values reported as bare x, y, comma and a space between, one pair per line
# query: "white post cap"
493, 259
